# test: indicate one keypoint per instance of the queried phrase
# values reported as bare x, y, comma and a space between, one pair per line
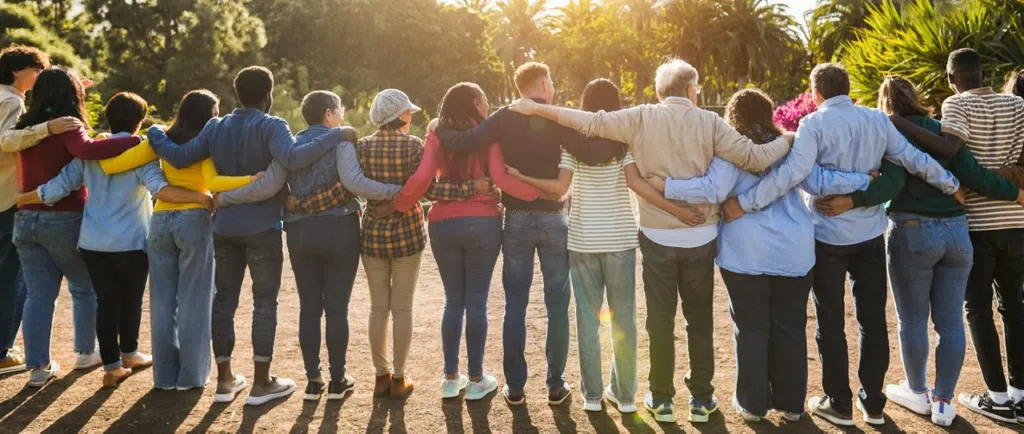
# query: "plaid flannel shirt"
391, 157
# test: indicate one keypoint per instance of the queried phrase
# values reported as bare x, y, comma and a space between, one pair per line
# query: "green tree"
162, 49
20, 25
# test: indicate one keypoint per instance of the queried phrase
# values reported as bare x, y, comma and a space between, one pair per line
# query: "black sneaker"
313, 390
339, 389
982, 403
1018, 408
513, 398
558, 395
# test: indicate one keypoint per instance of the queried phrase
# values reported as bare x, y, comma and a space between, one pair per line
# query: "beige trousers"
392, 285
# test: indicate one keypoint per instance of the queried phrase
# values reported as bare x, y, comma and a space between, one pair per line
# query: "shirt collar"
678, 100
981, 91
540, 100
13, 90
119, 135
242, 111
315, 128
390, 133
837, 100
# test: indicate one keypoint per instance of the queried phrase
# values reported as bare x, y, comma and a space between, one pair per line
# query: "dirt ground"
76, 403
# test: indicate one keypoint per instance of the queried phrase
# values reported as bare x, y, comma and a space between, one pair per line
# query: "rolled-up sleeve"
12, 140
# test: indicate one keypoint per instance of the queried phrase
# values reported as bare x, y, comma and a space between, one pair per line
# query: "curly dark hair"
458, 111
750, 111
19, 57
57, 93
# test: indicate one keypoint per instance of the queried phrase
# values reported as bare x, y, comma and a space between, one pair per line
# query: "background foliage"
163, 48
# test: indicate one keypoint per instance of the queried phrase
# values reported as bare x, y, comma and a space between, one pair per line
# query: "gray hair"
673, 78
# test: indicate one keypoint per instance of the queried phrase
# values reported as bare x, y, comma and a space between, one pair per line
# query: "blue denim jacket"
244, 143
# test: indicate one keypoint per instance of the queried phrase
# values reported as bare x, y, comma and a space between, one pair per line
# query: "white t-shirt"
602, 217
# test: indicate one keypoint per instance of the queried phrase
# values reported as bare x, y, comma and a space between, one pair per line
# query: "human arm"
352, 176
744, 153
885, 187
555, 187
14, 140
81, 146
981, 180
129, 160
186, 154
648, 193
593, 151
945, 146
827, 182
70, 178
619, 125
217, 183
152, 177
713, 187
419, 182
478, 137
294, 156
504, 180
264, 188
793, 170
917, 163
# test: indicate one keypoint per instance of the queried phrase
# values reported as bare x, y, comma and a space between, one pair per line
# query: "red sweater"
434, 164
39, 164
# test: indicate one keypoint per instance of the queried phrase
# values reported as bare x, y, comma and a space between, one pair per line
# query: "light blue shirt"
778, 240
119, 207
845, 137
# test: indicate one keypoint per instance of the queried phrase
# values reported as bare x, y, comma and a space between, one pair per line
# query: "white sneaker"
260, 394
227, 391
88, 361
452, 388
40, 376
792, 417
480, 389
943, 413
592, 406
747, 416
624, 407
917, 402
870, 419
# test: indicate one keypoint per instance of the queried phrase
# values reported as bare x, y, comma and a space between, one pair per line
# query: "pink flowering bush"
789, 114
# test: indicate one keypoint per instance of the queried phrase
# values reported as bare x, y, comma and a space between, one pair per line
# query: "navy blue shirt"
244, 143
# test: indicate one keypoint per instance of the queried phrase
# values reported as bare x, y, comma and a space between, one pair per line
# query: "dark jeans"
865, 263
466, 250
262, 254
120, 282
548, 236
769, 315
672, 274
324, 252
999, 259
12, 286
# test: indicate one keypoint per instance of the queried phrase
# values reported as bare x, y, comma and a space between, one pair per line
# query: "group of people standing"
784, 215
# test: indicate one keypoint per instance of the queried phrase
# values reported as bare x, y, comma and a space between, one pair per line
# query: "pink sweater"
434, 164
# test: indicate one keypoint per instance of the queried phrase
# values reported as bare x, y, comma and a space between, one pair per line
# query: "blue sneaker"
701, 410
661, 410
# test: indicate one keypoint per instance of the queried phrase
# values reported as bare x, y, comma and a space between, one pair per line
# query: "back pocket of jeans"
919, 239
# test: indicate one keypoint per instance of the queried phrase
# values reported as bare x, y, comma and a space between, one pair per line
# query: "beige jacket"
12, 105
676, 139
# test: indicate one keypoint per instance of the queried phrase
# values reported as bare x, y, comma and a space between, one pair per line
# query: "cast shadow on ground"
75, 420
478, 414
170, 407
19, 411
631, 422
251, 414
332, 414
384, 411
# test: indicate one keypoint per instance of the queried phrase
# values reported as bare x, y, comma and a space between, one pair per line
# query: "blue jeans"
324, 252
262, 254
47, 244
546, 235
466, 250
592, 275
929, 262
180, 247
12, 286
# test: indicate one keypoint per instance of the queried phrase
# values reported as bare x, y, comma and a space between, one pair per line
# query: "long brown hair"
898, 96
458, 111
750, 111
602, 95
194, 111
58, 92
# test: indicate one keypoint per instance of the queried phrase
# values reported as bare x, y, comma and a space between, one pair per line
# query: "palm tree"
523, 28
756, 37
643, 14
478, 7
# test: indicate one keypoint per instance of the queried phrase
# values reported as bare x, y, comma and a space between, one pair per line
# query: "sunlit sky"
796, 7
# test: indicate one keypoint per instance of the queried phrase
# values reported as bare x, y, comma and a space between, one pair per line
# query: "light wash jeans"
592, 275
929, 262
180, 247
47, 244
547, 235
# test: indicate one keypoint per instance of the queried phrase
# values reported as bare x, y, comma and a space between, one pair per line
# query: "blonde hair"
898, 95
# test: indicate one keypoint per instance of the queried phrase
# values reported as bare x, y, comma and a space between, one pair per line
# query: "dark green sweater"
910, 194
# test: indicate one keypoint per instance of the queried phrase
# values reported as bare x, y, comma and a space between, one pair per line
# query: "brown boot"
401, 387
382, 386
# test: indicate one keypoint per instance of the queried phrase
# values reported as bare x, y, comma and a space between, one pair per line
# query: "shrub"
788, 115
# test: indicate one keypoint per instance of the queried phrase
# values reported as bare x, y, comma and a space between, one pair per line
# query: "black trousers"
998, 259
865, 263
120, 282
769, 315
672, 274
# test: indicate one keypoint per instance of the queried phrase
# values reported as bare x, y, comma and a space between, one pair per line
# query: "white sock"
1015, 394
999, 397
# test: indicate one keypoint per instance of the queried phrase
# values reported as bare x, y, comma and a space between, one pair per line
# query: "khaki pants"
392, 285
